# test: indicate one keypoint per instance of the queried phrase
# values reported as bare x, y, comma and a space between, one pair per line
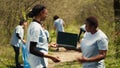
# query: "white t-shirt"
83, 27
15, 41
47, 35
36, 34
90, 46
58, 23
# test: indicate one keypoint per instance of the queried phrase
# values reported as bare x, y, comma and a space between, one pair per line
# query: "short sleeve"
83, 27
17, 30
62, 21
34, 35
55, 24
102, 44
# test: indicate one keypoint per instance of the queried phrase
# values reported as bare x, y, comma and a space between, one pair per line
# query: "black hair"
36, 10
22, 21
55, 17
92, 21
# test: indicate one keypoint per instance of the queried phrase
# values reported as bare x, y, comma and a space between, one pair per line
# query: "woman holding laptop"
94, 45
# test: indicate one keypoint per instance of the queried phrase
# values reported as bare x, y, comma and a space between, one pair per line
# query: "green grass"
7, 57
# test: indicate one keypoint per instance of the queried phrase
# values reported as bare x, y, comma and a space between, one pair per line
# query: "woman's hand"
82, 59
100, 56
55, 59
24, 41
53, 45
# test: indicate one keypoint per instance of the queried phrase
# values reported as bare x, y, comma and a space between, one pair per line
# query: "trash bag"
24, 56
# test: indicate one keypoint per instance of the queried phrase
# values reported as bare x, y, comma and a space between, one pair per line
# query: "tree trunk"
117, 28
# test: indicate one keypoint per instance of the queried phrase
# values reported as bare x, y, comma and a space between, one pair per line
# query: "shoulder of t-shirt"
57, 20
18, 26
35, 24
83, 26
102, 35
62, 20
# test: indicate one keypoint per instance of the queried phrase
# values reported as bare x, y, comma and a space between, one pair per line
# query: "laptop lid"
67, 39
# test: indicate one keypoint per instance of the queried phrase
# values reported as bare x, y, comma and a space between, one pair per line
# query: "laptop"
68, 40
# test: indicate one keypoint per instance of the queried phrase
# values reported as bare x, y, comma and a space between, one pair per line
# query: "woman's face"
44, 14
89, 28
25, 24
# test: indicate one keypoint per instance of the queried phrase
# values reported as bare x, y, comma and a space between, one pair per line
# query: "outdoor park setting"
74, 13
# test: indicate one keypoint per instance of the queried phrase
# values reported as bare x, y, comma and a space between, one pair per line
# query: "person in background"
58, 26
94, 45
37, 43
46, 32
17, 40
82, 30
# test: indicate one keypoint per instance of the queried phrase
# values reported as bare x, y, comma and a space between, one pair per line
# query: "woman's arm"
17, 34
36, 52
100, 56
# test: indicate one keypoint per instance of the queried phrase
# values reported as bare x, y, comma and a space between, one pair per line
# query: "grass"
7, 57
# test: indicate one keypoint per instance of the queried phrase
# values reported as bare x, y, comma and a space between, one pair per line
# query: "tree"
117, 26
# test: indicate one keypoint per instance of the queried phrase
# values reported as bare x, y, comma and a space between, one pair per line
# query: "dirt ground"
65, 56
